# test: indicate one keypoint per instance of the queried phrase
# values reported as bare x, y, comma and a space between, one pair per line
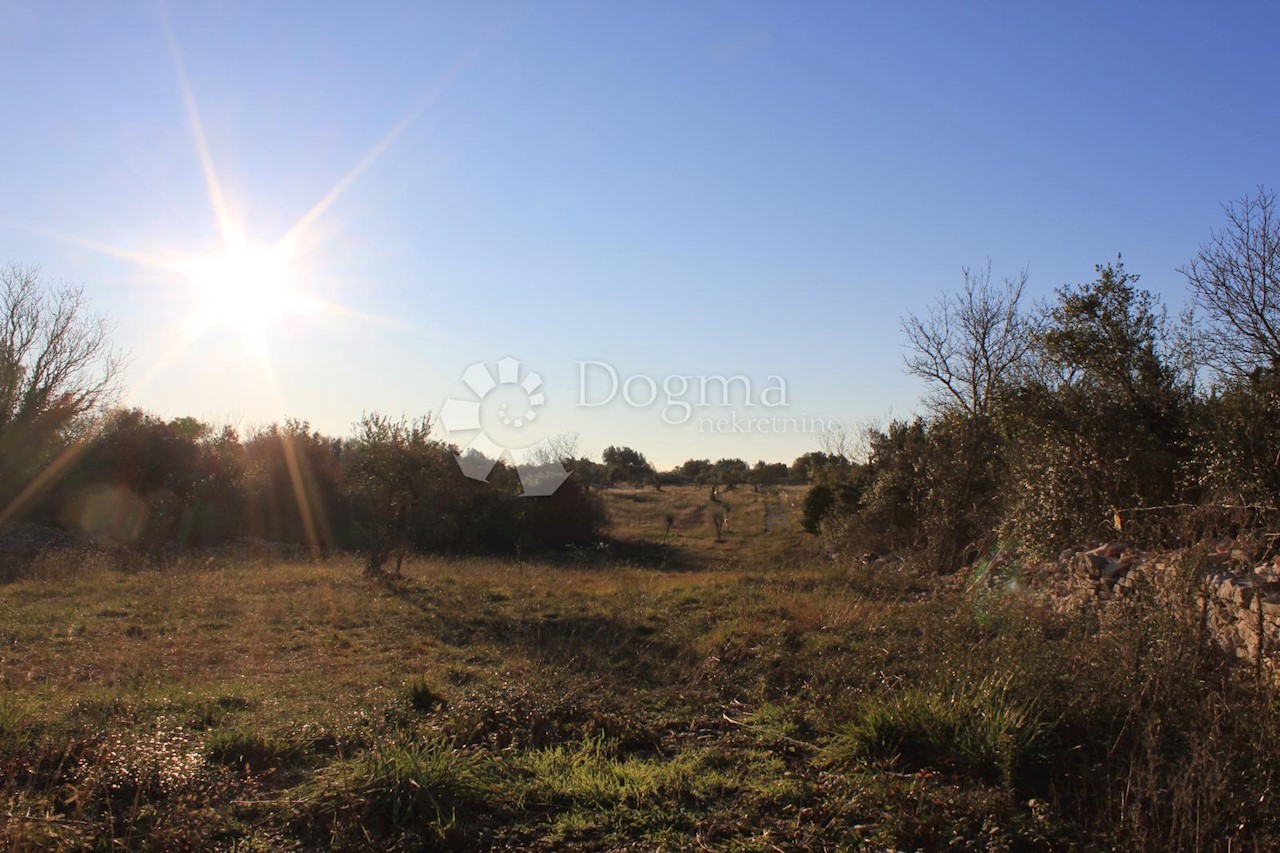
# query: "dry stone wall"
1235, 596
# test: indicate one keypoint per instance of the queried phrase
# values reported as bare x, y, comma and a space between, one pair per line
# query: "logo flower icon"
495, 412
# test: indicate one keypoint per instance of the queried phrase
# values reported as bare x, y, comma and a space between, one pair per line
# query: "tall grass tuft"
404, 787
14, 725
250, 750
982, 730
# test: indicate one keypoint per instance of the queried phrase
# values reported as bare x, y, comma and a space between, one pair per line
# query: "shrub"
573, 515
818, 501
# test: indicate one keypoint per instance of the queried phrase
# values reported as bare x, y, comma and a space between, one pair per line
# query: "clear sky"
670, 188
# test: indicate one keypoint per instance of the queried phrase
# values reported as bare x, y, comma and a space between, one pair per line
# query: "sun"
246, 288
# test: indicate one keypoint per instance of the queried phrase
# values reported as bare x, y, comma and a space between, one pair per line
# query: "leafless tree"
838, 439
850, 441
556, 450
1235, 278
57, 365
970, 341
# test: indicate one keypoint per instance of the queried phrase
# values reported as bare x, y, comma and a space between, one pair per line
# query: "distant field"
739, 695
759, 526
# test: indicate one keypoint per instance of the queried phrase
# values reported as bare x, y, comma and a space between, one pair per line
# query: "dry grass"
761, 526
647, 697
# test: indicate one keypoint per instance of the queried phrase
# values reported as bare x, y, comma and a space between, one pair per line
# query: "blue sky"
676, 189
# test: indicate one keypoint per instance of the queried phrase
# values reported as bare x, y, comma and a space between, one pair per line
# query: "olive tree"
628, 464
395, 472
1103, 430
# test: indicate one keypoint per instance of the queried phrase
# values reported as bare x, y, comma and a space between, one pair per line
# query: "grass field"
745, 694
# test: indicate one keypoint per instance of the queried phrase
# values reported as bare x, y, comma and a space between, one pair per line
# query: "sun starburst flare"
241, 285
245, 287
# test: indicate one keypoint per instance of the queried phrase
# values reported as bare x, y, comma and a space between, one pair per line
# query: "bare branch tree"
563, 447
56, 360
556, 450
57, 366
850, 441
837, 439
970, 341
1235, 278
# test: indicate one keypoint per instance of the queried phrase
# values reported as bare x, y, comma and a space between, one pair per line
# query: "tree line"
70, 458
1088, 416
389, 489
625, 465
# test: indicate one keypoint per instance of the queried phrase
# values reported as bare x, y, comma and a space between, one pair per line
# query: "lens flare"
245, 288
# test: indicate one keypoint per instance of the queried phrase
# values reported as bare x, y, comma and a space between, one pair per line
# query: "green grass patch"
590, 773
412, 788
15, 724
984, 731
250, 750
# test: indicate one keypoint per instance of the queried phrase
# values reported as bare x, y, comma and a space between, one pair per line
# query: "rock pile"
1242, 612
1085, 576
1237, 598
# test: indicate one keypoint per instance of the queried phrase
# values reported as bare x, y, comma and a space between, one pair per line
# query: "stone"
1237, 590
1089, 563
1114, 568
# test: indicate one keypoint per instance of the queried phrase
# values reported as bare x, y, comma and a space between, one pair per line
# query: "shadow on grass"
631, 650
